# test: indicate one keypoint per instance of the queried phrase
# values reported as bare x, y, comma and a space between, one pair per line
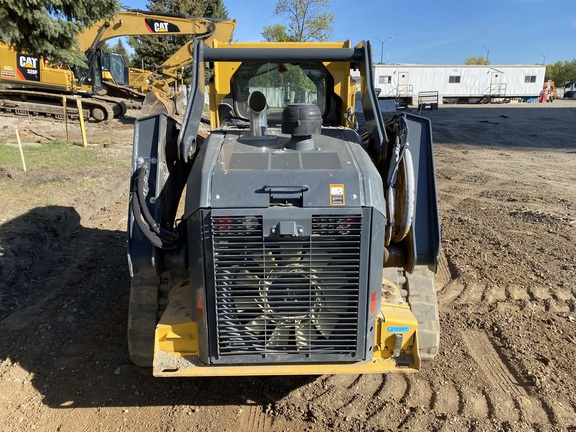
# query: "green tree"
216, 9
480, 60
119, 48
561, 72
276, 33
308, 20
47, 28
152, 51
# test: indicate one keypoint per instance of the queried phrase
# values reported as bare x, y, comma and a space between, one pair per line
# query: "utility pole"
382, 46
487, 52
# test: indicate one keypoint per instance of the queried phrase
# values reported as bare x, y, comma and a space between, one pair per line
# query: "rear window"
282, 84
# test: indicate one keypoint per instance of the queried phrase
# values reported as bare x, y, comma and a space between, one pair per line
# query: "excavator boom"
142, 23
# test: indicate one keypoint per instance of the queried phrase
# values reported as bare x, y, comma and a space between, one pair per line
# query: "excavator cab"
114, 68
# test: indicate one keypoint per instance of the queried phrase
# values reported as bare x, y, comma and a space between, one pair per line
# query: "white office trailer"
406, 83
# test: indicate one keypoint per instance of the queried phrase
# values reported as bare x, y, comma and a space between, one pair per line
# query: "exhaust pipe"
258, 117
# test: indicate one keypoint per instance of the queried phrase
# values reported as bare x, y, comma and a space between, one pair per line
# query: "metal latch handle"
286, 189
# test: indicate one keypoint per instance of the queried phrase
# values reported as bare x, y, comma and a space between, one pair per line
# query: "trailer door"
404, 84
496, 88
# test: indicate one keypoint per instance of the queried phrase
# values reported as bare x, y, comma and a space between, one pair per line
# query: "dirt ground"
506, 286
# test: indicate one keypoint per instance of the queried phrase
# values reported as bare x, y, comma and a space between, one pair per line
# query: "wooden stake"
82, 129
65, 117
20, 147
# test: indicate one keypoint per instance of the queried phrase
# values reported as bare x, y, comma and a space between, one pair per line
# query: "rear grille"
296, 297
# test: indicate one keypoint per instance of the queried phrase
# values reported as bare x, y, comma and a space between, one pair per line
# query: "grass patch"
56, 156
58, 173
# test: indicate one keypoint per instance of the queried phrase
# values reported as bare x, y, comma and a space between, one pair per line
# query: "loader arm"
142, 23
171, 70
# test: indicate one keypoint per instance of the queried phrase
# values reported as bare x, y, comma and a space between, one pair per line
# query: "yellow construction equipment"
36, 85
309, 235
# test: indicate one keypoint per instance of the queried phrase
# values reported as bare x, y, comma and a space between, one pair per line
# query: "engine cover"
285, 248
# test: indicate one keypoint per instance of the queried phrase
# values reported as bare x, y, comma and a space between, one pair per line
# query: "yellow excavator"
37, 86
163, 83
155, 90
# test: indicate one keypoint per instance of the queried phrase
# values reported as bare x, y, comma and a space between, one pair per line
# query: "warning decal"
337, 194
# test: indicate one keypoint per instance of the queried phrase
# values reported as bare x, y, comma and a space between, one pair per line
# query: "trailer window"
282, 84
454, 79
530, 79
385, 79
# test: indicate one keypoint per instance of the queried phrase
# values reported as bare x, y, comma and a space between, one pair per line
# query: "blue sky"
435, 31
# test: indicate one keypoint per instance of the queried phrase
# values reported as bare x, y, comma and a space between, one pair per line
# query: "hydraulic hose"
391, 191
158, 236
400, 203
405, 204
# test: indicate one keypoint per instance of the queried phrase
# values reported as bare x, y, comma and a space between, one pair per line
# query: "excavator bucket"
180, 102
157, 103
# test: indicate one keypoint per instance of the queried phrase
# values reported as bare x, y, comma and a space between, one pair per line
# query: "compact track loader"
304, 246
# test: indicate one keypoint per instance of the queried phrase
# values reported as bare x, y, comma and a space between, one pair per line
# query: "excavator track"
29, 102
132, 98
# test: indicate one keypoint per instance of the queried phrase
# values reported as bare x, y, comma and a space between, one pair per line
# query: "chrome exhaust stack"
258, 117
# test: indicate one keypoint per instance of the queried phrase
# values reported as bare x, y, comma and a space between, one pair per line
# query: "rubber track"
419, 290
14, 96
143, 316
148, 300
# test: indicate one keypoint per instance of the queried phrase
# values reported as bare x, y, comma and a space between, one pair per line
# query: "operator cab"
116, 67
282, 84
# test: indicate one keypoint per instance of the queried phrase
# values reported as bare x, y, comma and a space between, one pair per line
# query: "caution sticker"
337, 195
403, 329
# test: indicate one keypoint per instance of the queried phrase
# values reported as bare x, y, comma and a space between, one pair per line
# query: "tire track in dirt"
446, 398
254, 419
419, 392
333, 398
371, 399
537, 283
507, 399
475, 403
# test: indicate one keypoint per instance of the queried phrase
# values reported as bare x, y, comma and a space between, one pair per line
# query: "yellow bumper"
176, 347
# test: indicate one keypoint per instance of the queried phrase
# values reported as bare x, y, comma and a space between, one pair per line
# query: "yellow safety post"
20, 147
65, 117
82, 129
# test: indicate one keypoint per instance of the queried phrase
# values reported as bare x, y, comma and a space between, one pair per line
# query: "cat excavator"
165, 80
36, 86
154, 90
